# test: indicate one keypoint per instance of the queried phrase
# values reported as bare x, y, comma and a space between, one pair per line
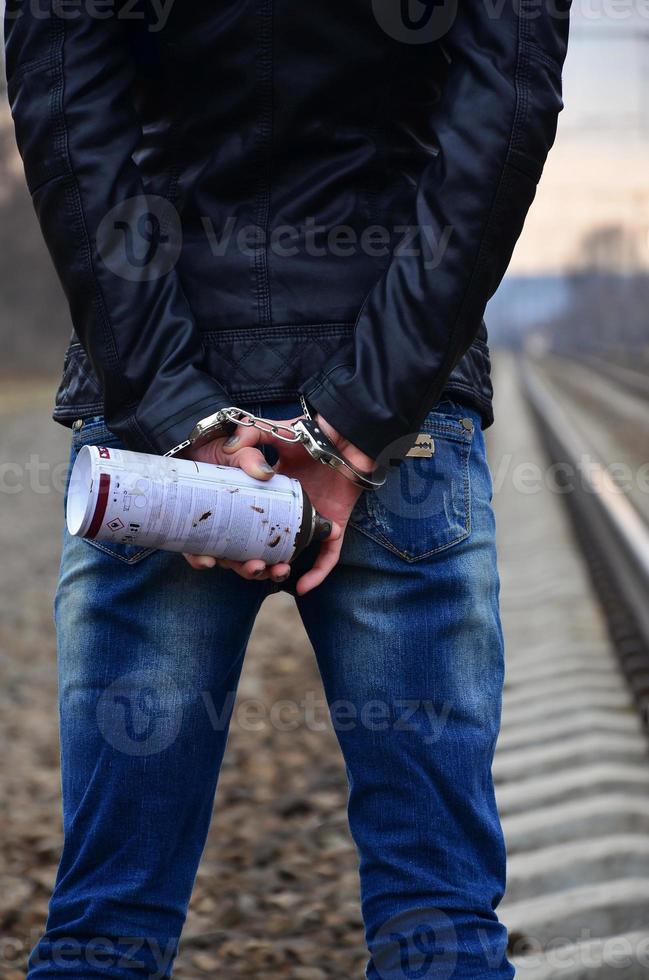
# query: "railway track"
572, 765
627, 377
613, 536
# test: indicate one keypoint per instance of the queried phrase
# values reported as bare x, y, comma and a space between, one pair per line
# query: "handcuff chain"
240, 417
304, 431
309, 434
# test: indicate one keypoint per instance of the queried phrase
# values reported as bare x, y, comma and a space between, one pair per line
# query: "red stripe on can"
100, 506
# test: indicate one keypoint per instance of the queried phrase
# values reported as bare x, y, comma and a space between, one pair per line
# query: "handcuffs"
304, 430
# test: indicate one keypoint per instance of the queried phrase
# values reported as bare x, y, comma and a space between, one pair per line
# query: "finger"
336, 532
252, 462
243, 435
200, 562
279, 572
325, 562
253, 570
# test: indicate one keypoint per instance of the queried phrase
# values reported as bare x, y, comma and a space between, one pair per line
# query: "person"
245, 203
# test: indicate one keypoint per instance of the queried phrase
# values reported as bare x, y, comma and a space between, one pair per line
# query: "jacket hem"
270, 364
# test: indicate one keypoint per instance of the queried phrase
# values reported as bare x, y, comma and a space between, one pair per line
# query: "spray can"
181, 505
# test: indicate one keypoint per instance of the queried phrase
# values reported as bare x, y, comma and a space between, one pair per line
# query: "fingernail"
282, 578
266, 468
260, 571
232, 441
323, 528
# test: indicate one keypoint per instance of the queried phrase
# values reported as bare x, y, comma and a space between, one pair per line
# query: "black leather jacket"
249, 198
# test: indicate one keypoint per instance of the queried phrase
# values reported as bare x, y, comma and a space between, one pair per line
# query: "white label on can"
180, 505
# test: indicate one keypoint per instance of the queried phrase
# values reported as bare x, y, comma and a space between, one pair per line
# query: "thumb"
242, 437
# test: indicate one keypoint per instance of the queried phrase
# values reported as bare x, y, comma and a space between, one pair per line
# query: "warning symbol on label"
115, 524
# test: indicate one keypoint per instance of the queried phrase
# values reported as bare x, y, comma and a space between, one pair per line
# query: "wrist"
356, 456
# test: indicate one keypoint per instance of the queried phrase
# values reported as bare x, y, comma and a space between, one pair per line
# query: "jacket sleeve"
70, 74
494, 125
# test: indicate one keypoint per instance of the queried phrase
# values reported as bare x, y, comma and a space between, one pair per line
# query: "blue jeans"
408, 640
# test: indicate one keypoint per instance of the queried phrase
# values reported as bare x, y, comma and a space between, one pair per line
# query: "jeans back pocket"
425, 505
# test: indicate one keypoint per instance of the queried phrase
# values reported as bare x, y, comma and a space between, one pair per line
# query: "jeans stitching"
130, 560
375, 534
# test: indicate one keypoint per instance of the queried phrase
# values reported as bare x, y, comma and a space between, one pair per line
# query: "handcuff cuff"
304, 430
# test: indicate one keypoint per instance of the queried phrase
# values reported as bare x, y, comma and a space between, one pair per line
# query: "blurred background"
277, 890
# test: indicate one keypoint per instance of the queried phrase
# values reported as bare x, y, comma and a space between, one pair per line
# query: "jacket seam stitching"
283, 332
264, 141
56, 102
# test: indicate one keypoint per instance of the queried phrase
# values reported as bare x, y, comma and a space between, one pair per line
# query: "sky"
596, 175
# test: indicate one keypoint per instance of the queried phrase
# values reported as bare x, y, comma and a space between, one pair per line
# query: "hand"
332, 494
